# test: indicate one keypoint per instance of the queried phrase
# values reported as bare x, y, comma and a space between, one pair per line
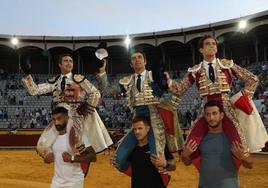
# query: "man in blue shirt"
218, 156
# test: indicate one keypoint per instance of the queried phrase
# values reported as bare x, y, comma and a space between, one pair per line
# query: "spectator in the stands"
264, 68
20, 100
44, 113
2, 73
45, 122
17, 114
1, 114
5, 114
263, 110
33, 122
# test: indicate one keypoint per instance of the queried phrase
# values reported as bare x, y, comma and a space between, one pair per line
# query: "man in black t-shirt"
146, 169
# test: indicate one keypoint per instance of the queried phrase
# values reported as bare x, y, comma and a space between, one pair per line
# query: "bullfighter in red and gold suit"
213, 78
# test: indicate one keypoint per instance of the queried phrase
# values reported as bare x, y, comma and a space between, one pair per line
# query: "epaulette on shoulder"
194, 68
125, 80
78, 78
226, 63
53, 79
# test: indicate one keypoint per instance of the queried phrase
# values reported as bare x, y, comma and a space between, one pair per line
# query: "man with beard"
67, 165
217, 154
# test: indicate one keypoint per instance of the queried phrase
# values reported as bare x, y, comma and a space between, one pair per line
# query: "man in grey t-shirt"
218, 167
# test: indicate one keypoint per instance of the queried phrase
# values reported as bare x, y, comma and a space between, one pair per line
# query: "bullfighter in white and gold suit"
80, 97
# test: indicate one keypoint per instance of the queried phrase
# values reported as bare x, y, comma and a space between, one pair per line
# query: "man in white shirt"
263, 110
44, 113
67, 166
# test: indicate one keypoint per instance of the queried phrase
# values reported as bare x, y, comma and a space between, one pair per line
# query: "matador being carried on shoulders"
75, 93
213, 78
145, 97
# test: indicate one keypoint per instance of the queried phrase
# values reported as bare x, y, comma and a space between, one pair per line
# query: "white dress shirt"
206, 66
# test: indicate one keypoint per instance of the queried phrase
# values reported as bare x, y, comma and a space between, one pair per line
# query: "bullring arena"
25, 169
21, 167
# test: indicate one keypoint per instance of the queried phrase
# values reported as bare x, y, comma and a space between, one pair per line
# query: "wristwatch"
72, 159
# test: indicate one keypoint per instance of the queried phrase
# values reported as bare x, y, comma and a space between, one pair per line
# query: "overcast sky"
113, 17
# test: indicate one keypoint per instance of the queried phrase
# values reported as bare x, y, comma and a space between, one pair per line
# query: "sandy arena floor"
25, 169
